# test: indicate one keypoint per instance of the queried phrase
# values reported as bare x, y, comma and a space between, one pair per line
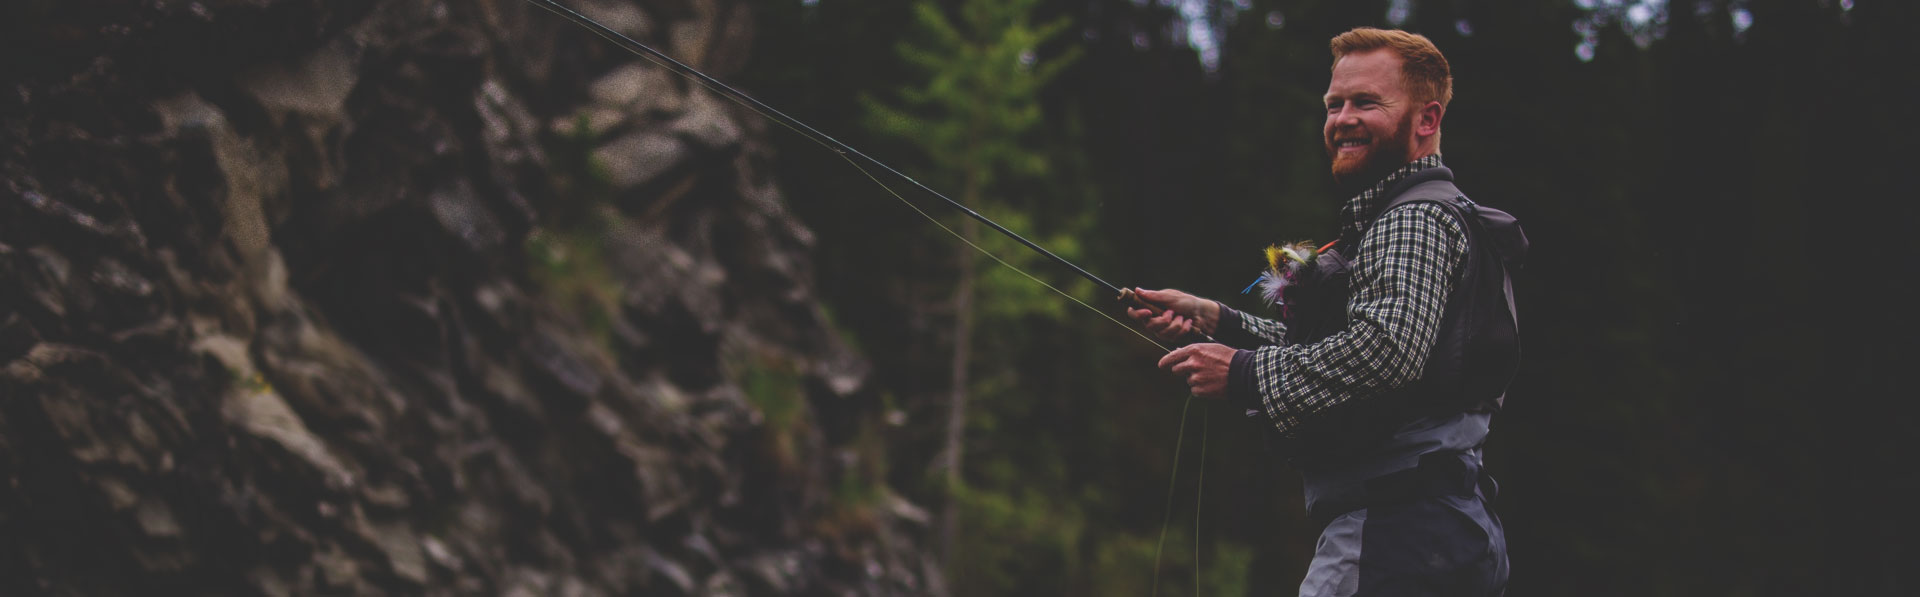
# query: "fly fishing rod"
1123, 294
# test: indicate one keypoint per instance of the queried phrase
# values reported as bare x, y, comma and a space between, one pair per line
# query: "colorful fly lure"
1285, 264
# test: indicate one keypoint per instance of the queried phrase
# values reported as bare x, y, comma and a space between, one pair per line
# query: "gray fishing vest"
1446, 410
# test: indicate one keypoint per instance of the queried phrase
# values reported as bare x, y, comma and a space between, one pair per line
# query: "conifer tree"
969, 117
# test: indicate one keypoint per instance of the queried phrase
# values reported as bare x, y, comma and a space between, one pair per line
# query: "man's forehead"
1373, 72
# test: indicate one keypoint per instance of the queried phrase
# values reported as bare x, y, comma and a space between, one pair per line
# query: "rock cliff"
306, 297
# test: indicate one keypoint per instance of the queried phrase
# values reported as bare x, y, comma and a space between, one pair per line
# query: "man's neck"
1359, 209
1373, 180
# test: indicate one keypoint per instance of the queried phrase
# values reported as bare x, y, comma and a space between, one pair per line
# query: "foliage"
773, 385
1017, 541
569, 264
980, 98
969, 118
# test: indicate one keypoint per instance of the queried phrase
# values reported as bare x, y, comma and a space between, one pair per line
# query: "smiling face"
1373, 126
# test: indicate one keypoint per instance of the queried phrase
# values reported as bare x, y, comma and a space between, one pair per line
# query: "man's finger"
1169, 324
1175, 357
1189, 367
1162, 298
1158, 326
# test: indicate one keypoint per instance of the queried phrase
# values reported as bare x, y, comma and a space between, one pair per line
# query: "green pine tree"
971, 118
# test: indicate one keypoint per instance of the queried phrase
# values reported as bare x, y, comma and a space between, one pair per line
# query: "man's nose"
1347, 116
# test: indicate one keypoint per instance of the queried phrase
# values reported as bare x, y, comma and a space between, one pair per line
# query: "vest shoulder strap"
1432, 191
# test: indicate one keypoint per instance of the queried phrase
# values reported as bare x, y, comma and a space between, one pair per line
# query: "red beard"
1353, 172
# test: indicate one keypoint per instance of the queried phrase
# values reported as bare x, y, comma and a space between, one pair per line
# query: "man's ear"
1428, 122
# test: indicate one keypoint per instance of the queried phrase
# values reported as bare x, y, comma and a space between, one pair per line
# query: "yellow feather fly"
1283, 262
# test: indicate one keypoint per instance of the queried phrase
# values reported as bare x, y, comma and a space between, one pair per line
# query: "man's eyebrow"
1357, 95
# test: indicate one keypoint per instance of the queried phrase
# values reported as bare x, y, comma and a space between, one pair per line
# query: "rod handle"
1129, 298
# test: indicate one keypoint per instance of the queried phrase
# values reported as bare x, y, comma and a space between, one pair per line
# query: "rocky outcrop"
415, 297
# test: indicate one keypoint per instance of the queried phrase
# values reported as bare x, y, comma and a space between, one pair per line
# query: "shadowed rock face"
380, 296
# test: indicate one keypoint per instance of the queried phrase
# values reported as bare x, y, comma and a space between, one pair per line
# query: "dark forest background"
1715, 312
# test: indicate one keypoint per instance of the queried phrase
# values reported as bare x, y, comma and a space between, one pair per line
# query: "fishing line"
1167, 518
997, 259
660, 58
848, 153
1199, 489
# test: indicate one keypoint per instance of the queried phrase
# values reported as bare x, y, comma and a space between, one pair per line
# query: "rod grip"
1129, 298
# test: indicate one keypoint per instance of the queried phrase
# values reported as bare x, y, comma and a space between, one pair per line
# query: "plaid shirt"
1407, 265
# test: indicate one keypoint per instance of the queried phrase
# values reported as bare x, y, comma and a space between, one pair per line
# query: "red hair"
1423, 70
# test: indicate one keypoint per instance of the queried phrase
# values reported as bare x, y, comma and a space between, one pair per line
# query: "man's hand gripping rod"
1130, 298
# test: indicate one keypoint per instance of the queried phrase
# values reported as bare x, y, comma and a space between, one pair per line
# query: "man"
1384, 416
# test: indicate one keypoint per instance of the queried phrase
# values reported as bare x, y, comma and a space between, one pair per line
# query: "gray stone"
707, 123
563, 366
640, 158
675, 573
463, 215
404, 550
53, 271
114, 276
779, 572
156, 519
690, 38
619, 15
510, 129
261, 411
316, 84
722, 584
438, 551
637, 88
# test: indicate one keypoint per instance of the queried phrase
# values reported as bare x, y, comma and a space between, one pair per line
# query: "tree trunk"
962, 355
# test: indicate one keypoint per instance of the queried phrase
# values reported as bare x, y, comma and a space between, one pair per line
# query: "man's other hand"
1180, 313
1205, 366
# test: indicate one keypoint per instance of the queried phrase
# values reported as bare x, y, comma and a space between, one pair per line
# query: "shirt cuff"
1242, 389
1229, 331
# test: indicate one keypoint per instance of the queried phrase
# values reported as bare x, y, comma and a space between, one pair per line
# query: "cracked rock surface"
366, 297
